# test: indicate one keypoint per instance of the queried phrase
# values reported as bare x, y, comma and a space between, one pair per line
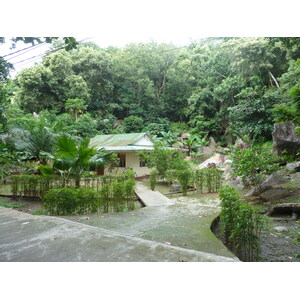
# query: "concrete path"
25, 237
151, 198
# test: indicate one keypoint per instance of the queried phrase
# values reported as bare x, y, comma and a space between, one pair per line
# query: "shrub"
164, 159
245, 234
184, 177
153, 179
254, 164
229, 205
118, 196
71, 201
211, 178
133, 124
37, 186
241, 224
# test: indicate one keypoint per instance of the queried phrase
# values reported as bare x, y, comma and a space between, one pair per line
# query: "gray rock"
269, 183
281, 229
227, 172
295, 166
285, 139
237, 182
275, 194
217, 159
175, 188
227, 161
241, 144
207, 150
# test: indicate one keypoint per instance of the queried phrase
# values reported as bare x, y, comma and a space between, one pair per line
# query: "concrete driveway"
29, 238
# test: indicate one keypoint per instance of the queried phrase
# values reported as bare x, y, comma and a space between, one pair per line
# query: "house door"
100, 171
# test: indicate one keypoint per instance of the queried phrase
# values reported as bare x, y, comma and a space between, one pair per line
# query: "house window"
122, 157
142, 161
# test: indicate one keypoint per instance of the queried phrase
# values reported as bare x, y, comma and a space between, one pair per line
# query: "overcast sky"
117, 22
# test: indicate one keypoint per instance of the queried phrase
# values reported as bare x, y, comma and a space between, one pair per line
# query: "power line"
44, 54
29, 49
33, 58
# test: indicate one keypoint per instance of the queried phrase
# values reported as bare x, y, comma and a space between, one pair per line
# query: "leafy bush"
241, 224
229, 204
153, 179
113, 196
254, 164
184, 177
71, 201
133, 124
164, 160
37, 186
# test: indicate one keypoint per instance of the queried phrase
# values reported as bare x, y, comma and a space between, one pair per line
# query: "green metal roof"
116, 140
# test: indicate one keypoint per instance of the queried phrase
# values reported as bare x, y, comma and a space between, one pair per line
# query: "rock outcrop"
278, 186
216, 160
285, 139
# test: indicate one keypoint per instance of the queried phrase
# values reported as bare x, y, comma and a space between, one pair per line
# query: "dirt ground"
27, 206
276, 246
280, 246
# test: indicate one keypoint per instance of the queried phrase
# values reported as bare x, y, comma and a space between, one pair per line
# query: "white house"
127, 146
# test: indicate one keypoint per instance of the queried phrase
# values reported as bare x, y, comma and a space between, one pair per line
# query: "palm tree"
73, 158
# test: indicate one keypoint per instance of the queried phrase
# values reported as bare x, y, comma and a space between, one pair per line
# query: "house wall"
133, 162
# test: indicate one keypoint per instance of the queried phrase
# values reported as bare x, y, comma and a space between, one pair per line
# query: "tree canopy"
219, 87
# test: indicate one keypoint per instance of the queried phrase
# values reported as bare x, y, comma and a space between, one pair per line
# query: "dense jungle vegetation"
218, 87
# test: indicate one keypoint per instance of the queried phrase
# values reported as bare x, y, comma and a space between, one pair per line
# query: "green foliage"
37, 186
184, 177
253, 164
194, 142
241, 224
153, 179
7, 204
165, 139
164, 159
290, 111
230, 204
46, 170
133, 124
245, 234
75, 107
73, 159
219, 88
204, 180
30, 185
155, 128
71, 201
253, 113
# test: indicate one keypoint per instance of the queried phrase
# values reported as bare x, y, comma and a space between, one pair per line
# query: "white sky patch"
120, 22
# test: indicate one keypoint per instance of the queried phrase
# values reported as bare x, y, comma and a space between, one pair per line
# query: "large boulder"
275, 194
294, 166
269, 183
278, 186
285, 139
216, 160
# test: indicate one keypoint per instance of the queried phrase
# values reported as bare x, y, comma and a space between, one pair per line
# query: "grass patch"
5, 189
7, 204
160, 186
39, 212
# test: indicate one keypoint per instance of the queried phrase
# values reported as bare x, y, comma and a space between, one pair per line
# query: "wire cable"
45, 54
20, 50
29, 49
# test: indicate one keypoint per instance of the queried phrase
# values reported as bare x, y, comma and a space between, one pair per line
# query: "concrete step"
151, 198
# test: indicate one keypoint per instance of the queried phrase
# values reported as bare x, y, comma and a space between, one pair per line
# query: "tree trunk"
274, 79
77, 182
